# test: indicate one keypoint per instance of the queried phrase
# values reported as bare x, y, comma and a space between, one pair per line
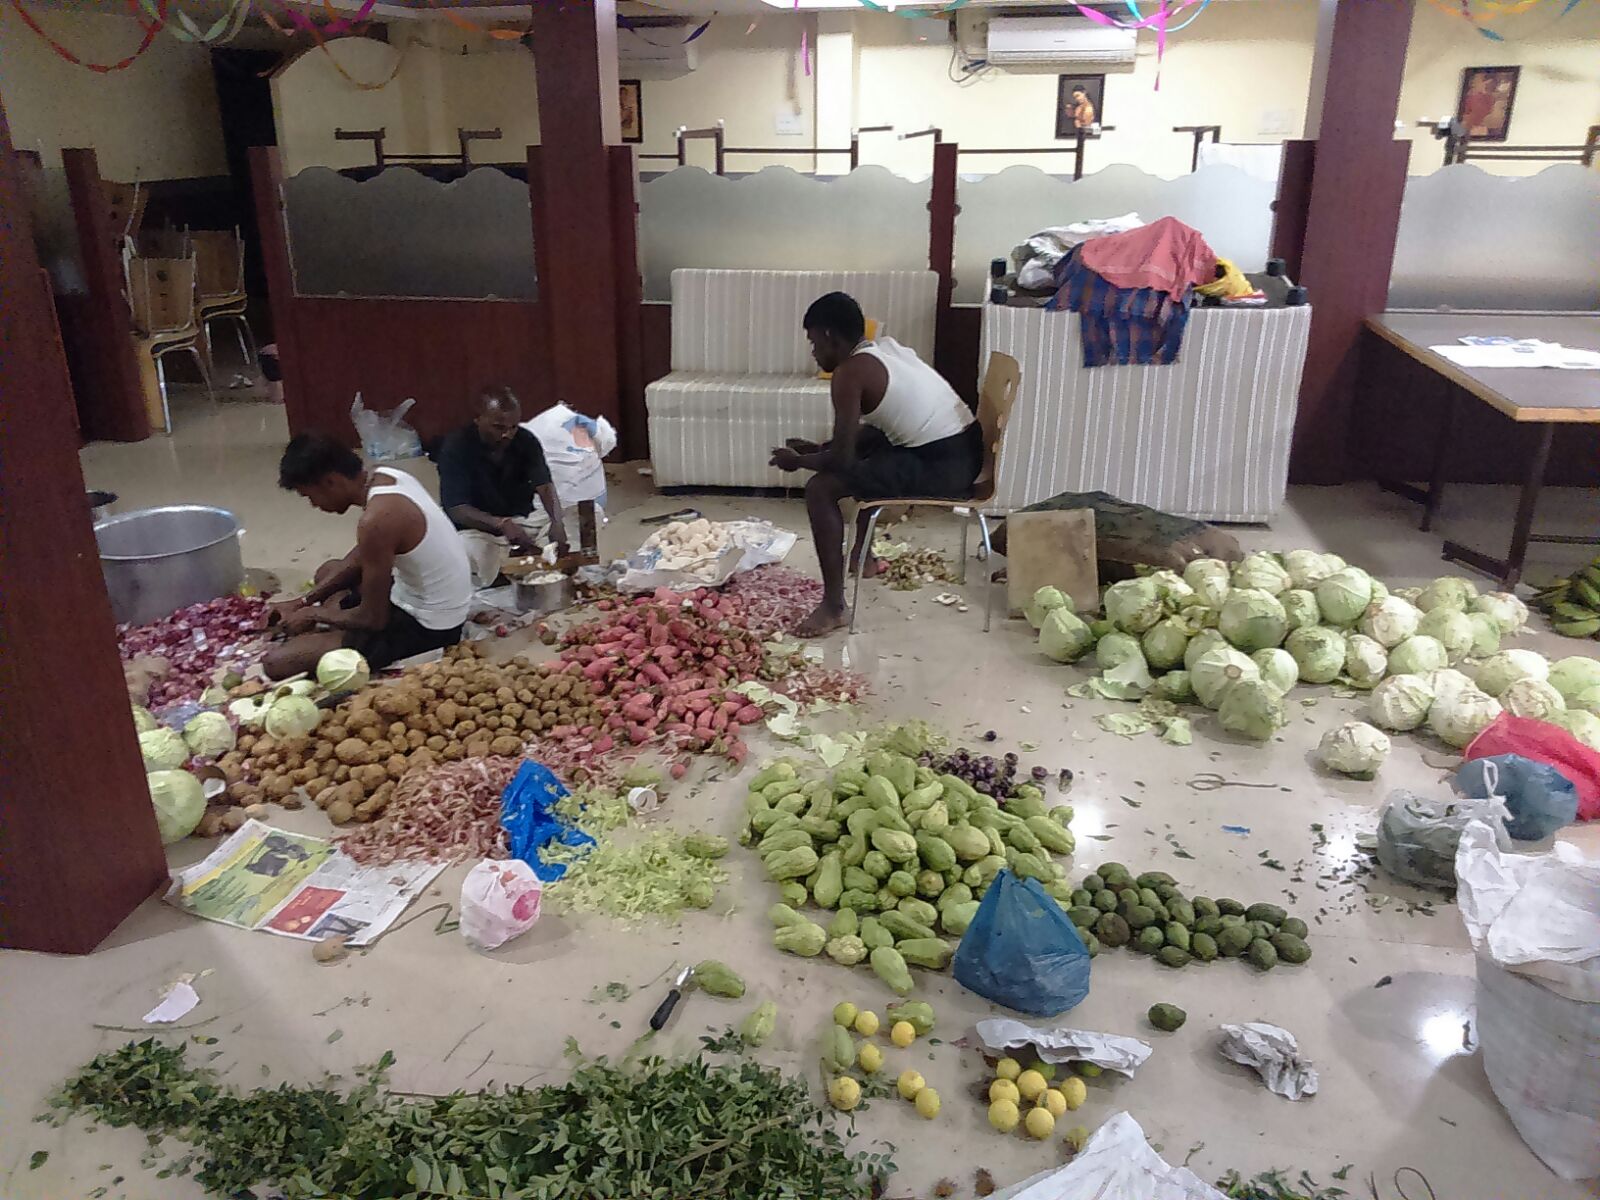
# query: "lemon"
1003, 1115
1040, 1123
1008, 1068
909, 1084
927, 1104
903, 1034
1030, 1084
1076, 1137
844, 1093
1074, 1093
1054, 1101
1004, 1089
844, 1013
1048, 1070
1088, 1070
870, 1058
866, 1022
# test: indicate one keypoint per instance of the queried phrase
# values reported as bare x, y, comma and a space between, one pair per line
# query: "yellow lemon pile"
1025, 1097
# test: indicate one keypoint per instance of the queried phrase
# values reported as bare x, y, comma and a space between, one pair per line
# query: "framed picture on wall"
1080, 104
1487, 94
632, 101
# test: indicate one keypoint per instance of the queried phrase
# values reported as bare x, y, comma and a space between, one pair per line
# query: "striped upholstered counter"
1207, 436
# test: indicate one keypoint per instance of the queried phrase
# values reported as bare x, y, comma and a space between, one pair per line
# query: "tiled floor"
1398, 1087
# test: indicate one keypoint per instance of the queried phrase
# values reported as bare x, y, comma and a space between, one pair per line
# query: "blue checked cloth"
1119, 325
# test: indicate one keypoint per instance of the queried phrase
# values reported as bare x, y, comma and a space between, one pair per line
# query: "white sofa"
742, 376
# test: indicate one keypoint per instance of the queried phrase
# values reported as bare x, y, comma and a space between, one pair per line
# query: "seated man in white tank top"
899, 431
403, 590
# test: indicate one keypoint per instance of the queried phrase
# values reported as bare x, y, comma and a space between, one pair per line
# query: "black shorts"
402, 637
942, 470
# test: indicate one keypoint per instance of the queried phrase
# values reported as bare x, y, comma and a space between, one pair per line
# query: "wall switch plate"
788, 123
1274, 122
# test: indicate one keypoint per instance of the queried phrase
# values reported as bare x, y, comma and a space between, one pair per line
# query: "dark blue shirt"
503, 487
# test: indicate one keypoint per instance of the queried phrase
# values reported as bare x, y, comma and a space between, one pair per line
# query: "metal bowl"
158, 560
544, 593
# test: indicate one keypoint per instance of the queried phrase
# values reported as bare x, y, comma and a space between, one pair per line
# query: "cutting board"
1052, 549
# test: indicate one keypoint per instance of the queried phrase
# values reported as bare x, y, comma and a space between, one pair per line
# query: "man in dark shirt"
489, 473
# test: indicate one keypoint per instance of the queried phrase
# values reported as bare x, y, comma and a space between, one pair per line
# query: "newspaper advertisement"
298, 886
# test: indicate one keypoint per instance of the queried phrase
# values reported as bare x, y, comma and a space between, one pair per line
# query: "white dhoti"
487, 552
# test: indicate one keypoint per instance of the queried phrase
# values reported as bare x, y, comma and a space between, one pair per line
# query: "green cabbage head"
1063, 637
179, 801
208, 735
1355, 749
1400, 702
163, 749
1252, 708
1569, 676
1344, 596
1319, 651
1133, 605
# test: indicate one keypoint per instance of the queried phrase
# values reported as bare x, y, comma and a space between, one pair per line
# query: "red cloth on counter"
1166, 255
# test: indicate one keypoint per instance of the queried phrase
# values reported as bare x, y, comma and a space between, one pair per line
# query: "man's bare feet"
874, 566
824, 618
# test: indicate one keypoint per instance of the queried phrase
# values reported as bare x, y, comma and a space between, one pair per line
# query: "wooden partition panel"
443, 352
78, 843
97, 325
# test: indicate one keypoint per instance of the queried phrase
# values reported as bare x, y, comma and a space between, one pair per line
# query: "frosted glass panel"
1469, 239
778, 219
1232, 210
403, 234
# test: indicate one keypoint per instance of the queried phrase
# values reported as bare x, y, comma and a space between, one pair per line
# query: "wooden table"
1540, 398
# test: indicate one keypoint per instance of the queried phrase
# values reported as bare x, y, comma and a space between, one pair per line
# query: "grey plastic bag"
1418, 837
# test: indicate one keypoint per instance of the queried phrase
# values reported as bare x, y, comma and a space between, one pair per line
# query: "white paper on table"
1273, 1054
1109, 1051
1535, 914
178, 1003
1117, 1163
1529, 352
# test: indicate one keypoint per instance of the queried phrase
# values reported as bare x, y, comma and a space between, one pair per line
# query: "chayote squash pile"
1150, 914
899, 854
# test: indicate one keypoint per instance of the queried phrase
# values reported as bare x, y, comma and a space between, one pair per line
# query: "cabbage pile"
1237, 639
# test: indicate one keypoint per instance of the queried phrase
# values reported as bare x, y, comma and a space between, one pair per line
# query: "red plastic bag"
1545, 743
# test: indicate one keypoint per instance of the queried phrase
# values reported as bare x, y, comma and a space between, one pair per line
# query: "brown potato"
415, 739
238, 792
231, 761
436, 743
277, 787
369, 776
465, 729
341, 773
533, 721
478, 747
369, 733
323, 752
234, 818
446, 712
397, 730
396, 765
335, 733
525, 695
341, 812
292, 801
316, 786
381, 749
423, 758
505, 744
453, 752
210, 825
303, 775
352, 751
247, 742
514, 710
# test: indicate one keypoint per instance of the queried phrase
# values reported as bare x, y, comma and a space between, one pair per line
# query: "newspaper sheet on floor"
298, 886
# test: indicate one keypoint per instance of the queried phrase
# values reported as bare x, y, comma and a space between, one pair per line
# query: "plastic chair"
161, 295
1001, 379
219, 258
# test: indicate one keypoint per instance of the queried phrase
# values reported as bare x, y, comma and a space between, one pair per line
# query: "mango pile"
1148, 913
898, 852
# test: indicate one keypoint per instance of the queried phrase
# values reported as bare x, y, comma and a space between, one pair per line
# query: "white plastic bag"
499, 901
1534, 921
385, 436
573, 451
1117, 1163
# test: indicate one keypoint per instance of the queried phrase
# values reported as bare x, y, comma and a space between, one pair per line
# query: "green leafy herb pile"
649, 1128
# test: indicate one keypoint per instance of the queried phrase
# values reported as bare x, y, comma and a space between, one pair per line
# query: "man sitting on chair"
899, 431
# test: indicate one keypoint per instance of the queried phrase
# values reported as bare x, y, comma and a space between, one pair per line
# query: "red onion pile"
774, 599
195, 642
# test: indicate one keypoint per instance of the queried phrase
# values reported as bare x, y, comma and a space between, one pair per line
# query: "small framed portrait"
1080, 104
632, 101
1487, 94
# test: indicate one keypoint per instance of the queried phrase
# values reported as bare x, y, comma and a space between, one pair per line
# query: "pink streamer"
342, 25
1157, 20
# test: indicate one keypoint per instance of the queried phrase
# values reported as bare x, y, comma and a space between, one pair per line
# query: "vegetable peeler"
664, 1009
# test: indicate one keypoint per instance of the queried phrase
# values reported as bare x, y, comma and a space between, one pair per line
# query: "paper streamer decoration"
1494, 9
460, 22
184, 28
1158, 20
121, 64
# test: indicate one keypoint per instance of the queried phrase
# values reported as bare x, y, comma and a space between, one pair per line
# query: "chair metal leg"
966, 526
161, 386
206, 348
205, 374
247, 340
988, 581
861, 565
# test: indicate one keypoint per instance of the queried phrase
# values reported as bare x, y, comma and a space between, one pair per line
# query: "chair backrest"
161, 294
126, 202
219, 258
1001, 378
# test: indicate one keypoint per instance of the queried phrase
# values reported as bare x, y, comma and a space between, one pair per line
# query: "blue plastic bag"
1539, 798
1022, 952
530, 825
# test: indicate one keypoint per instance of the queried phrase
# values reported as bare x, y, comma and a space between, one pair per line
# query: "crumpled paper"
177, 1002
1117, 1163
1275, 1056
1060, 1044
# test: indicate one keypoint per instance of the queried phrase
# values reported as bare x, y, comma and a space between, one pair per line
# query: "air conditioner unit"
655, 53
1058, 42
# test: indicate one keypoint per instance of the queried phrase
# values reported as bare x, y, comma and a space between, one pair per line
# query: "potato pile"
459, 707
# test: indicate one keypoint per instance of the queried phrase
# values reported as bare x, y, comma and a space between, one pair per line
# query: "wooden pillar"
948, 356
266, 185
78, 843
1347, 215
574, 49
633, 441
111, 399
